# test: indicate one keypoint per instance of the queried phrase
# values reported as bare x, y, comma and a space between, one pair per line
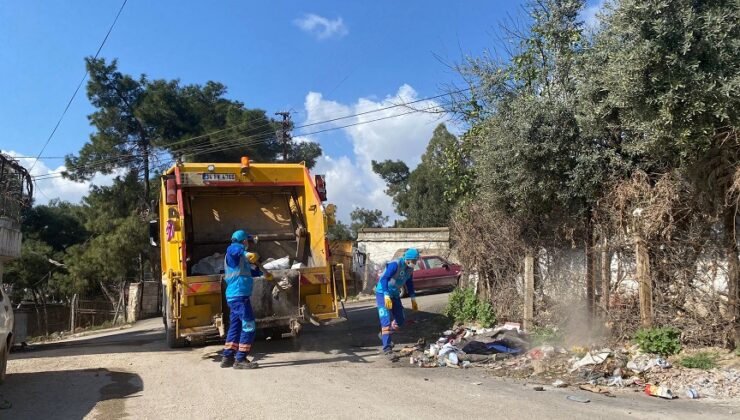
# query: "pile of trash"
463, 346
507, 351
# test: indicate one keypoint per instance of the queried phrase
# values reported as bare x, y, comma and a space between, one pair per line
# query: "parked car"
6, 332
433, 272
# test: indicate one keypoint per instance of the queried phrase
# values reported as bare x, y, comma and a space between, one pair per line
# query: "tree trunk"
145, 145
733, 273
642, 262
528, 290
589, 242
107, 293
606, 272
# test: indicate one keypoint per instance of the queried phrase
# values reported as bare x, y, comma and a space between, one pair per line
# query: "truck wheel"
171, 335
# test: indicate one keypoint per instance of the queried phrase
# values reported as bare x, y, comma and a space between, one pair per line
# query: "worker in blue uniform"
397, 274
238, 272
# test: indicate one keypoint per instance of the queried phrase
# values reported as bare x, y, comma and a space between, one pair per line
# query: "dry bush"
488, 247
685, 259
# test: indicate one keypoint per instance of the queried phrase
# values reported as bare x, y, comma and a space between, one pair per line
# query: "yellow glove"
414, 306
388, 302
269, 277
253, 257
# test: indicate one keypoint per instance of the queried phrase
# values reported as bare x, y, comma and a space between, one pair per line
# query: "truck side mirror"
153, 232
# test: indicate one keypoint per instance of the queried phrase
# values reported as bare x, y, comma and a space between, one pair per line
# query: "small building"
376, 246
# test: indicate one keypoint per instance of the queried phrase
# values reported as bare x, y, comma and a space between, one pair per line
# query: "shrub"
702, 360
464, 306
544, 335
664, 341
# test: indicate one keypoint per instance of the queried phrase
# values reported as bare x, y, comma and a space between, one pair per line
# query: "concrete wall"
375, 247
143, 301
10, 240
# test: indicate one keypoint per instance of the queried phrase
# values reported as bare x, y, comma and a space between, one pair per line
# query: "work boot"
227, 362
245, 364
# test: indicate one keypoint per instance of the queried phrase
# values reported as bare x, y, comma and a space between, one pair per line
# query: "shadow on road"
126, 342
68, 394
353, 340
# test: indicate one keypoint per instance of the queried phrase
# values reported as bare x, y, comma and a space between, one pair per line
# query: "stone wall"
375, 247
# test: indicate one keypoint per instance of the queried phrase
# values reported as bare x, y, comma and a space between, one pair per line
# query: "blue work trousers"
242, 328
390, 320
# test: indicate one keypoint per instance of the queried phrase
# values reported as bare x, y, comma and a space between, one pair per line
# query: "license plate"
219, 177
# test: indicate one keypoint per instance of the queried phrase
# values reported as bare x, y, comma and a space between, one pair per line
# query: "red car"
434, 272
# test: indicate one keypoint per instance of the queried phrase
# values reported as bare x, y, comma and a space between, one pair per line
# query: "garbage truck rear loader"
201, 204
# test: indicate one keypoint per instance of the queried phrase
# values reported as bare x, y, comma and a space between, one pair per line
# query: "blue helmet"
240, 236
411, 254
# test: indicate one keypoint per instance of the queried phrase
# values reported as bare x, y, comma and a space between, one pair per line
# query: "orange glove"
269, 277
388, 302
414, 306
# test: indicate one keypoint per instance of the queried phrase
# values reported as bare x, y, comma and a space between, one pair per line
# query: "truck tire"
171, 335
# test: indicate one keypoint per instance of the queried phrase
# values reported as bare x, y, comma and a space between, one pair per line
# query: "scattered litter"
591, 359
538, 388
659, 391
466, 364
597, 389
559, 384
477, 383
692, 393
578, 399
540, 353
644, 362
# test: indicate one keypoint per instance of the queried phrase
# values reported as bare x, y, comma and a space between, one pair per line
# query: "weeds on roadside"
464, 306
664, 341
702, 360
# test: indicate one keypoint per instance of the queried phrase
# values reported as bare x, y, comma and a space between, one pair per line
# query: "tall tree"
669, 74
138, 120
365, 218
421, 195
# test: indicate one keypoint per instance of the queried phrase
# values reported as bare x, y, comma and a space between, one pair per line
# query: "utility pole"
284, 134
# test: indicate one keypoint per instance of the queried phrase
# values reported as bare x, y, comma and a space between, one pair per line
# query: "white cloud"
321, 27
589, 15
351, 185
58, 187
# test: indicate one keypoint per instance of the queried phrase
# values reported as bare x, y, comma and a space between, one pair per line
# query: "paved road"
332, 372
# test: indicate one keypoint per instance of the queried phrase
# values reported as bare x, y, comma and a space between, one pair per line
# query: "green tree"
365, 218
668, 79
117, 249
340, 232
422, 195
138, 120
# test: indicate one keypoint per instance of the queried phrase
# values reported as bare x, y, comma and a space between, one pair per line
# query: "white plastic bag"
281, 264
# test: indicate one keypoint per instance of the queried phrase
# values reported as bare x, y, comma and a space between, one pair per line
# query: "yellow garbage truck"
281, 206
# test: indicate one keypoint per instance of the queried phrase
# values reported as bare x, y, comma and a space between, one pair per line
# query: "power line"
79, 85
256, 139
229, 144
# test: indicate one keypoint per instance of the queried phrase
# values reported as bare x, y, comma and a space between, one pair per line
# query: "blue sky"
319, 59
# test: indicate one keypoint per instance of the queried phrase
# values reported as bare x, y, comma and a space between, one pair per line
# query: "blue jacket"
396, 275
237, 272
